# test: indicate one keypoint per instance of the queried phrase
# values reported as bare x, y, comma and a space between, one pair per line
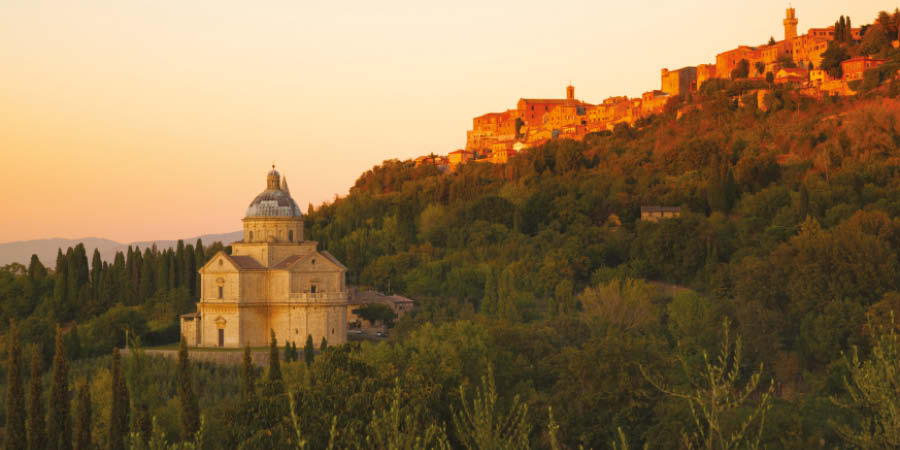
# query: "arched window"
291, 236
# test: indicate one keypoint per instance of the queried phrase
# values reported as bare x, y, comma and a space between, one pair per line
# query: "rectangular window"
312, 289
220, 292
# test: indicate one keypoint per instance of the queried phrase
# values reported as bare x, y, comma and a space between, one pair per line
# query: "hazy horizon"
133, 121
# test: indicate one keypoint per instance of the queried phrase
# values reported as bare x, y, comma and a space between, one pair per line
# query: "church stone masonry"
273, 280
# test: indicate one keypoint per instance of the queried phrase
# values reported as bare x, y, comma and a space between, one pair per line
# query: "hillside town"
794, 62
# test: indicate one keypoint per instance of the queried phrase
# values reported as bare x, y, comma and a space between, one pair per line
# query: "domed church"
273, 280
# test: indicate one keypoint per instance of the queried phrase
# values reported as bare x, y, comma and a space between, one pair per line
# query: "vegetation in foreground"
548, 314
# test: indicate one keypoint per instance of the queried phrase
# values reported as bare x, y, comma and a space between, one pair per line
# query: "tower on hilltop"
570, 92
790, 25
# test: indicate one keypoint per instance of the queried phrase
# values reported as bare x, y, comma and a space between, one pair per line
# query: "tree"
37, 438
401, 427
288, 357
872, 387
190, 409
875, 40
274, 383
374, 312
248, 377
716, 394
309, 352
742, 70
59, 421
120, 408
832, 58
83, 439
482, 425
772, 40
489, 302
323, 345
15, 392
760, 67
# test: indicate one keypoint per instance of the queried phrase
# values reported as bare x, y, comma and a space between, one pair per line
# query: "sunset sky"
138, 120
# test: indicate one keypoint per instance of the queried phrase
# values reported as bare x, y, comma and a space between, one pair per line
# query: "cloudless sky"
138, 120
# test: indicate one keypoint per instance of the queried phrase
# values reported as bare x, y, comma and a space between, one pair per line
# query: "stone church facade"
272, 280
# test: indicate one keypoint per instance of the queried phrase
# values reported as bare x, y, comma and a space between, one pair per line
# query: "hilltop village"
794, 62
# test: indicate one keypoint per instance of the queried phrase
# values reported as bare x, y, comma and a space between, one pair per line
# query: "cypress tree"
248, 377
147, 282
96, 272
36, 275
119, 410
489, 302
60, 285
37, 439
59, 421
294, 350
287, 352
15, 393
199, 261
73, 343
190, 270
274, 381
323, 345
190, 409
173, 279
83, 430
162, 272
81, 264
179, 264
309, 352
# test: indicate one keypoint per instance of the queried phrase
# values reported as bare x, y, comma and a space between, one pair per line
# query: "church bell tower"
790, 25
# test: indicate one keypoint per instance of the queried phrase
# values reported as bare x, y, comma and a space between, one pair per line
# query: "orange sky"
142, 120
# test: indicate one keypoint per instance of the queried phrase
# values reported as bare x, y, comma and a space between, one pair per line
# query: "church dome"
275, 201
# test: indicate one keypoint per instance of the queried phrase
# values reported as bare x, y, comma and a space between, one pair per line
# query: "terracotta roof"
290, 260
367, 297
245, 262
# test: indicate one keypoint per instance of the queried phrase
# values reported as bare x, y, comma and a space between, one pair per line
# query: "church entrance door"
221, 337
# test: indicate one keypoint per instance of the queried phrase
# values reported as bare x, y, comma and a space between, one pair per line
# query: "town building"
854, 68
679, 82
273, 280
398, 304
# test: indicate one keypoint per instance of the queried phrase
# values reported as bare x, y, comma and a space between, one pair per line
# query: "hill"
21, 251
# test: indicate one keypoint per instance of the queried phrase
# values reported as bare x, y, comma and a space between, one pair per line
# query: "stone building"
854, 68
272, 280
678, 82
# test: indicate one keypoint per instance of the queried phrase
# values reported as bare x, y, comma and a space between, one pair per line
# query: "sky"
141, 120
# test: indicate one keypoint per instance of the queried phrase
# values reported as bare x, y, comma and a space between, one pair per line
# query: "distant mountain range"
21, 251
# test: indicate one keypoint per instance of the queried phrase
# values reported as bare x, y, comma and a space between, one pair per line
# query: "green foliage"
59, 420
15, 392
309, 352
376, 312
37, 438
403, 427
120, 408
871, 393
248, 377
715, 394
83, 439
190, 409
483, 424
832, 58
